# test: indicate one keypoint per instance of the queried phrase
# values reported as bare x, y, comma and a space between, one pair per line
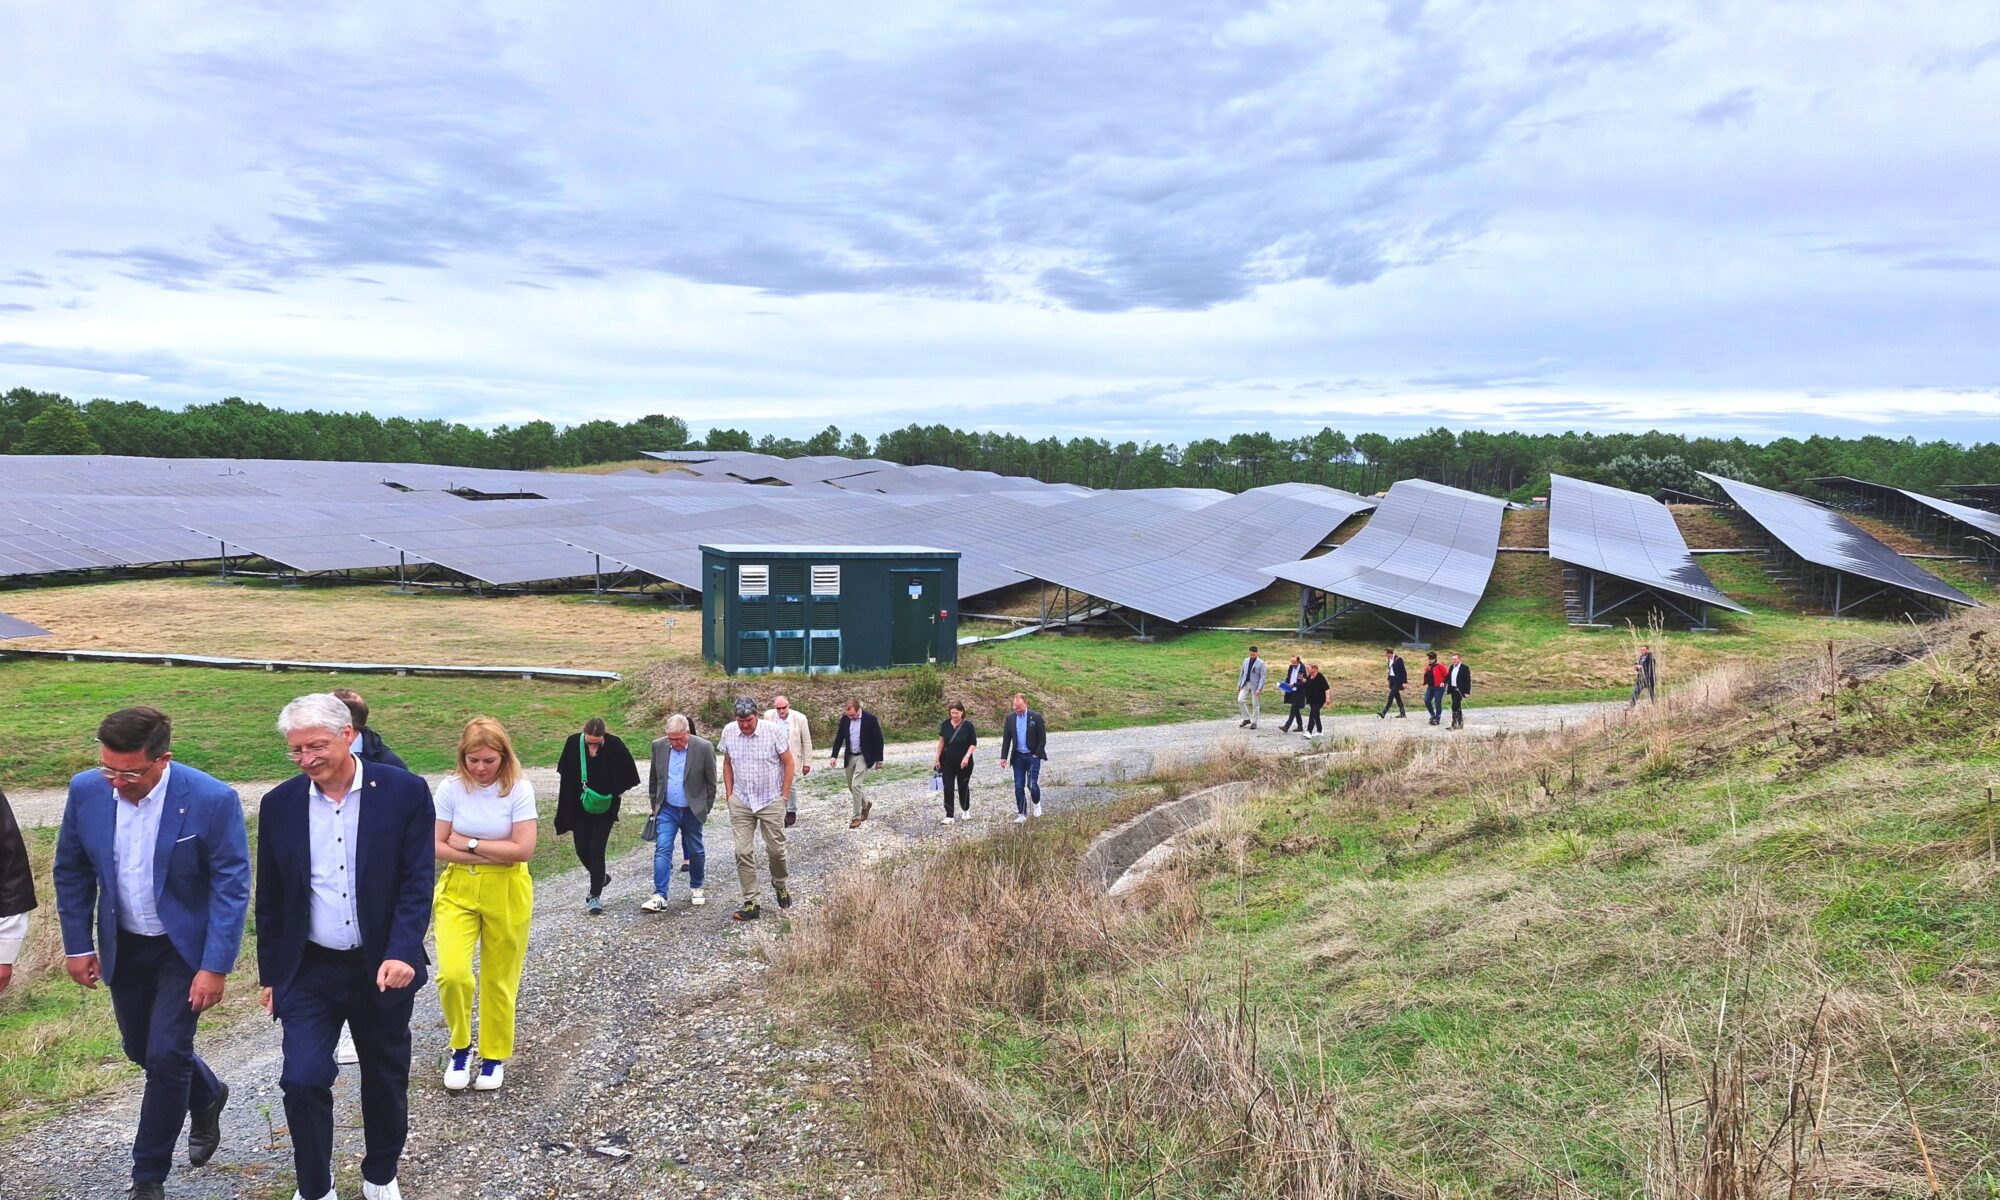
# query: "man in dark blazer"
368, 744
1458, 684
681, 782
857, 740
1398, 677
152, 876
345, 868
1024, 746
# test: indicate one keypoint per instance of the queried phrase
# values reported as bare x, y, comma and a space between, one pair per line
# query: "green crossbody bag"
595, 802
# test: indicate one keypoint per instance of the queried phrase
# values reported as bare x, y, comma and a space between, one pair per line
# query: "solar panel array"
1428, 552
1633, 537
1179, 564
75, 513
1980, 520
1823, 537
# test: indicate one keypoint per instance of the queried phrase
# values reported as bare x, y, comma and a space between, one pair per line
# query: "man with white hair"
683, 792
345, 869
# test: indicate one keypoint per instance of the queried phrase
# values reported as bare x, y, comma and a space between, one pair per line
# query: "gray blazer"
698, 781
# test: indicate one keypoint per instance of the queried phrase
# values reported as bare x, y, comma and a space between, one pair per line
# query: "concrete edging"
1113, 852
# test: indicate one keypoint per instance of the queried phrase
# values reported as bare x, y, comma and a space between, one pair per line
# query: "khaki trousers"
857, 791
744, 825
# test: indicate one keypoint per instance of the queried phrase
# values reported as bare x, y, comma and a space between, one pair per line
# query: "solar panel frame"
1428, 551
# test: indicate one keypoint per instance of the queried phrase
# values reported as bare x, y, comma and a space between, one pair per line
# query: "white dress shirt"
13, 932
138, 832
335, 831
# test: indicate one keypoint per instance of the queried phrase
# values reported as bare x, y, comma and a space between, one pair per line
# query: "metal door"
913, 621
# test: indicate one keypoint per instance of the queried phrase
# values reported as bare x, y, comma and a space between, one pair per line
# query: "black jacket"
871, 739
1038, 736
1458, 679
17, 885
1398, 676
375, 750
612, 772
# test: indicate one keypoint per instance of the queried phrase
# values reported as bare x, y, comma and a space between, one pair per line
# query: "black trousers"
1295, 721
1457, 714
1312, 724
150, 1000
592, 833
960, 778
1395, 700
335, 987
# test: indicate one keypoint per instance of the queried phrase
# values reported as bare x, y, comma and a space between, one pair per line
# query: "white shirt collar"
351, 788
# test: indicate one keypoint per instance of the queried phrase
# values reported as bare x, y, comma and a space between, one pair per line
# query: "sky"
1147, 220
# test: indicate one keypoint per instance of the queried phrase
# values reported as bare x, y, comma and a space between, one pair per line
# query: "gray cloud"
1730, 108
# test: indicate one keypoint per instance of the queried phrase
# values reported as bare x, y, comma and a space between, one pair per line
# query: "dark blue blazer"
396, 865
201, 870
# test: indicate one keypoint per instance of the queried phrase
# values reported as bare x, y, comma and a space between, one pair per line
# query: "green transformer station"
785, 608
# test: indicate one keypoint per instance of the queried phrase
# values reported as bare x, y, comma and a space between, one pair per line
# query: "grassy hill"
1752, 933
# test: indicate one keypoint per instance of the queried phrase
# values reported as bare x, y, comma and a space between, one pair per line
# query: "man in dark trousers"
1398, 676
1642, 677
857, 740
152, 878
1295, 699
368, 745
1457, 684
1024, 746
345, 868
17, 892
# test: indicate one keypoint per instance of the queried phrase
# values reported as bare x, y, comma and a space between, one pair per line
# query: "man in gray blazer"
683, 791
1250, 689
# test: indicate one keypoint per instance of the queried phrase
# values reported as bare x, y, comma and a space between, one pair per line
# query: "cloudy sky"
1145, 219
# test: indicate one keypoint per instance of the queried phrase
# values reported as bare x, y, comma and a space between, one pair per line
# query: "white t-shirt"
483, 812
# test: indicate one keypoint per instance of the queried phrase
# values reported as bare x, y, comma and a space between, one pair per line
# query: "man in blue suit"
152, 878
345, 867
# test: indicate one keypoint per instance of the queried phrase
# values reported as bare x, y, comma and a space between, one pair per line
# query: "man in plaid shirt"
757, 771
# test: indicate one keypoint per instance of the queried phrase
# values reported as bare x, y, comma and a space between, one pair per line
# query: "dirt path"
647, 1062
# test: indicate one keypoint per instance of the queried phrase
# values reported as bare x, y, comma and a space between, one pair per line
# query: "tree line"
1516, 465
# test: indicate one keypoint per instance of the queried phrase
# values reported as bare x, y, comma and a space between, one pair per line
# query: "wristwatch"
472, 845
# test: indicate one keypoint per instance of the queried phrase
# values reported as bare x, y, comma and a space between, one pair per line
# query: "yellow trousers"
483, 911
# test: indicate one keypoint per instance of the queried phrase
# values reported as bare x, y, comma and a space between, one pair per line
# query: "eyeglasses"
123, 776
315, 750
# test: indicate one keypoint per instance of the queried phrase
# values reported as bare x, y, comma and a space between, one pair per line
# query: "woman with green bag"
593, 771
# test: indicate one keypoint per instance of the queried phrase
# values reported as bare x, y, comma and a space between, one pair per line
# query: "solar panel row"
1823, 537
1427, 552
1616, 532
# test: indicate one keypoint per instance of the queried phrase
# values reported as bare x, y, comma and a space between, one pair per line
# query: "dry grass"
1525, 528
349, 624
1706, 527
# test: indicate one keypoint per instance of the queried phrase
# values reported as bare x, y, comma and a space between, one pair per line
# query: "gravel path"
647, 1063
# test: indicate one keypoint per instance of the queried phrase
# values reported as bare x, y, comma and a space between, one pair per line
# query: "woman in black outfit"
1316, 689
609, 769
956, 741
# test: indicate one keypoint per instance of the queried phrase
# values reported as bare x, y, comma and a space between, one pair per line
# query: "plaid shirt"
756, 761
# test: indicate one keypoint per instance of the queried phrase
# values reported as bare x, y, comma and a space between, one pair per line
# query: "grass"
1625, 960
225, 721
59, 1042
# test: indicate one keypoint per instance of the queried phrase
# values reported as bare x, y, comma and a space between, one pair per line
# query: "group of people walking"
1306, 690
357, 860
1024, 747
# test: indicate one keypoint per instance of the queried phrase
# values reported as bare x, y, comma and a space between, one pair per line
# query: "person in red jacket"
1434, 687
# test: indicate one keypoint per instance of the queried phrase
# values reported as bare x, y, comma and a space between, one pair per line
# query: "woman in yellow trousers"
485, 836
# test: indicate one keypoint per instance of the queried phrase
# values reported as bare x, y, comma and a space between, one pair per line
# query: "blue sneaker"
593, 906
458, 1072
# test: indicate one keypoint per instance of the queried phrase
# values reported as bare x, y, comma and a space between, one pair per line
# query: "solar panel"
1428, 552
1980, 520
1176, 564
1616, 532
1825, 538
15, 627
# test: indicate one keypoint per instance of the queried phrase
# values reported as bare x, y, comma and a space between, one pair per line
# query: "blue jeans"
682, 821
1027, 780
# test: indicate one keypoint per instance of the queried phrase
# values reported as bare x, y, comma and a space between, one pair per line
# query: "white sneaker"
458, 1070
344, 1051
380, 1191
331, 1194
1020, 817
947, 820
1035, 809
491, 1075
696, 898
657, 903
